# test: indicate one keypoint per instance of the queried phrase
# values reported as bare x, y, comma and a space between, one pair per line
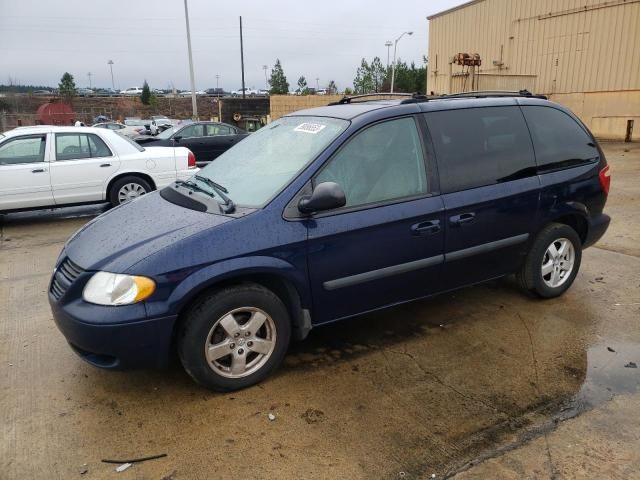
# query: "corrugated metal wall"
567, 45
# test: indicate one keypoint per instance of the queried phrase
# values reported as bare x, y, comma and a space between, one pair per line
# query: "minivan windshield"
258, 167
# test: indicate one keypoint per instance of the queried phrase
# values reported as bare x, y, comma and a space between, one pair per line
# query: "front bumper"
129, 343
597, 227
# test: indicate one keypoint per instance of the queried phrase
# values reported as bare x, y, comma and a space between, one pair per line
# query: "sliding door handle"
39, 170
462, 218
105, 165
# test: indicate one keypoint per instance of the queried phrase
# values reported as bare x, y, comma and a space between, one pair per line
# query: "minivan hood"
124, 236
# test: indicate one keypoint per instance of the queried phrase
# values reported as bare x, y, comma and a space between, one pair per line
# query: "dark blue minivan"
328, 213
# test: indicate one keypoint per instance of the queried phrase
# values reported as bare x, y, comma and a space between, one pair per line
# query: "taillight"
605, 179
191, 160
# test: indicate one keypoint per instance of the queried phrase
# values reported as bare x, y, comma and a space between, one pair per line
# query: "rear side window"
74, 146
480, 146
559, 141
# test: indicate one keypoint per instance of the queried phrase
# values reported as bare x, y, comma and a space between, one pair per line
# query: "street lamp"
194, 104
217, 81
113, 84
395, 48
388, 44
266, 82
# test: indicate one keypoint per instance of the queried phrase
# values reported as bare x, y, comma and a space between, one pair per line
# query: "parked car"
139, 122
207, 140
187, 93
322, 91
216, 92
131, 91
159, 123
328, 213
105, 92
42, 92
263, 93
49, 166
129, 131
85, 92
249, 92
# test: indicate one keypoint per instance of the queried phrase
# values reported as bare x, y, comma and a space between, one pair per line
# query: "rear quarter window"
558, 140
480, 146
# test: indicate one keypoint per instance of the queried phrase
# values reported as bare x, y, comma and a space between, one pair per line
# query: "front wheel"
553, 261
234, 338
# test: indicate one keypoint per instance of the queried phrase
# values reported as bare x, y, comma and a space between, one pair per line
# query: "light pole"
217, 81
266, 82
388, 44
317, 84
113, 84
89, 75
194, 104
395, 48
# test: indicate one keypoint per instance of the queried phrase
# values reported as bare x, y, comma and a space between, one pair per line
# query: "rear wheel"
553, 261
128, 188
235, 337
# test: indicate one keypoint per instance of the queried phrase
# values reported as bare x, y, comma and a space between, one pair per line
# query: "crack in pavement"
446, 385
553, 474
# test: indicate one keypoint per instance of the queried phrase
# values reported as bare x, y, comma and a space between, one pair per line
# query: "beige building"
584, 54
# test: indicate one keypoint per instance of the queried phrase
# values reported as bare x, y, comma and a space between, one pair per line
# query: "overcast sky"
146, 39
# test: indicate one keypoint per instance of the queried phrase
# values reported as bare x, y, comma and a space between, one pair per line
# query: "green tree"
145, 96
278, 82
302, 85
333, 88
409, 78
67, 87
348, 91
377, 73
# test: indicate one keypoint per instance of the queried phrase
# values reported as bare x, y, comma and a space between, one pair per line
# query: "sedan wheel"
130, 191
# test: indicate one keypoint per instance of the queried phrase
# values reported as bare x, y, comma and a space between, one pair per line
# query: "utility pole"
241, 58
395, 48
113, 84
388, 44
317, 84
194, 103
217, 81
266, 82
89, 75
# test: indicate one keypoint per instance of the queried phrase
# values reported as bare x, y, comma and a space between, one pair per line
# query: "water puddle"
609, 372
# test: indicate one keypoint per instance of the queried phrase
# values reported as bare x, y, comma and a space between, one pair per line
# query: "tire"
542, 273
223, 320
136, 186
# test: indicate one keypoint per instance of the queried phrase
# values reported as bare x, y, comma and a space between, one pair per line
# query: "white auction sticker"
309, 128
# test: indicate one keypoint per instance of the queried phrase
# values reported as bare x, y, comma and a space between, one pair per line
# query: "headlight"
106, 288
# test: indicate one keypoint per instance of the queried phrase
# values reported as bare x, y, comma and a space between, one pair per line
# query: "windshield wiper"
194, 187
228, 206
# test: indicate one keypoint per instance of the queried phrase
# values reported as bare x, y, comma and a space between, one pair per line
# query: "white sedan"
47, 166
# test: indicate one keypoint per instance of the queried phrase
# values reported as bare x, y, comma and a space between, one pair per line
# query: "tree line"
371, 77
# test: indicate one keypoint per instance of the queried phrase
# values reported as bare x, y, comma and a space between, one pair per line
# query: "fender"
241, 267
562, 210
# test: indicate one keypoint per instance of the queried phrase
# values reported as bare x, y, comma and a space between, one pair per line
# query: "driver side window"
382, 162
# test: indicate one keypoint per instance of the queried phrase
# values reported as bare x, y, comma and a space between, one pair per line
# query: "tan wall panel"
570, 50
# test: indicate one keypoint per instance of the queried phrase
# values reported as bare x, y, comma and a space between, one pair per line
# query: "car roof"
39, 129
349, 111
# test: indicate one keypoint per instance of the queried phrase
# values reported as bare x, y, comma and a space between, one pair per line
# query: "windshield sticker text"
309, 128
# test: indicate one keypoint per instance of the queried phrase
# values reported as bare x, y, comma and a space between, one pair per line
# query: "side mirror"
177, 138
325, 196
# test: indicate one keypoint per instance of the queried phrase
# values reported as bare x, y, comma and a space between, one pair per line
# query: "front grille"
63, 278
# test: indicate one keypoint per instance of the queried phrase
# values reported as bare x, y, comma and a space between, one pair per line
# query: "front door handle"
426, 228
105, 165
462, 218
39, 170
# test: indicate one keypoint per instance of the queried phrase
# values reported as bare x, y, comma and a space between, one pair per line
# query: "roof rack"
475, 94
347, 99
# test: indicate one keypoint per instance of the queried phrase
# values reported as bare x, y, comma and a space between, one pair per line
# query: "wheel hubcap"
240, 342
130, 191
557, 263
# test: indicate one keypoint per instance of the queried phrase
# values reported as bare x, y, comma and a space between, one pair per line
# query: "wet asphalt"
437, 387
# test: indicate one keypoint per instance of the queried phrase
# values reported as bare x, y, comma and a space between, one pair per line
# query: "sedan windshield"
167, 133
261, 165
